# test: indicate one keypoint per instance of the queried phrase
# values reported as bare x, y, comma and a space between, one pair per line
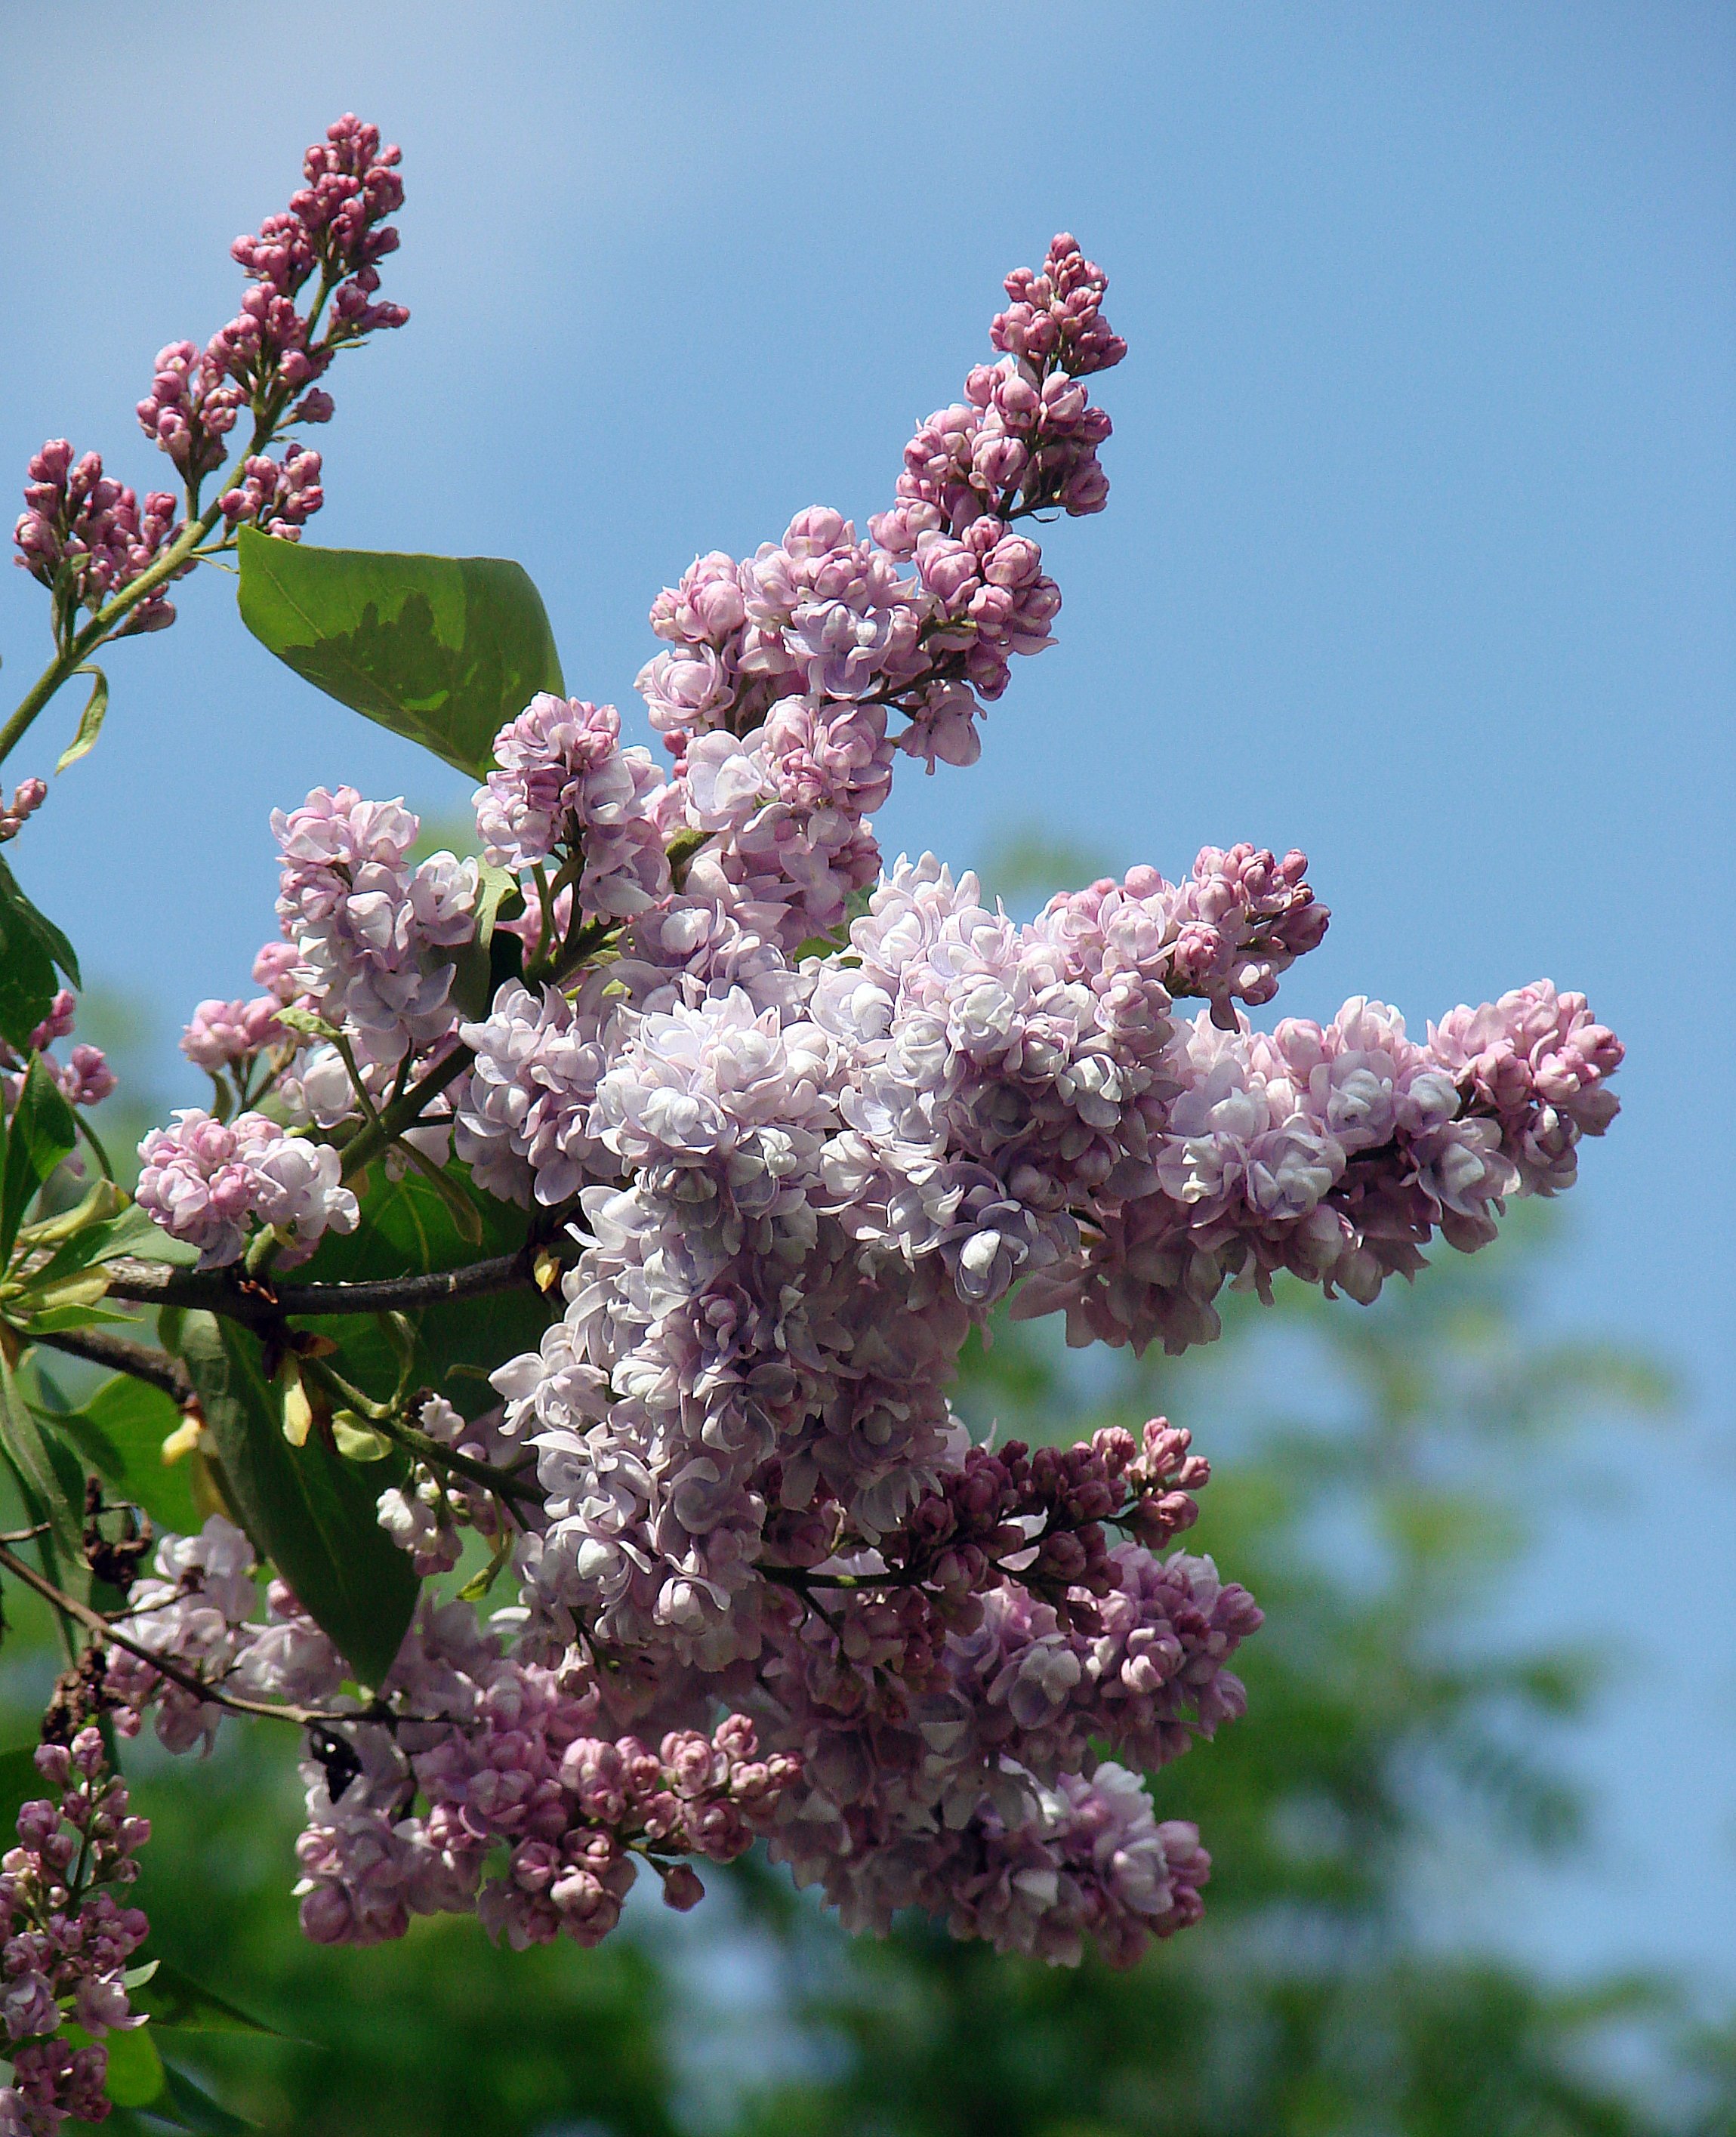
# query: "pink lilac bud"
274, 969
222, 1033
682, 1889
190, 409
1055, 315
276, 499
85, 1077
81, 532
28, 797
58, 1023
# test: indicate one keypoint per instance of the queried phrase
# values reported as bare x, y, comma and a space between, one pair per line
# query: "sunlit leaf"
443, 649
135, 2077
120, 1432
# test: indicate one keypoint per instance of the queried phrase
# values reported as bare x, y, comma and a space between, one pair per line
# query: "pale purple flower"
565, 783
205, 1181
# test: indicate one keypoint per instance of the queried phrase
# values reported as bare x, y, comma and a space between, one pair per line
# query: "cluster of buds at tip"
28, 796
68, 1939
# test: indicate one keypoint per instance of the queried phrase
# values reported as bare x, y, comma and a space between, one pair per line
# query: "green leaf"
185, 2105
20, 1784
444, 649
312, 1513
49, 1479
120, 1432
406, 1229
306, 1021
90, 724
31, 946
131, 1231
47, 1319
681, 850
43, 1130
101, 1201
473, 979
176, 2001
136, 2074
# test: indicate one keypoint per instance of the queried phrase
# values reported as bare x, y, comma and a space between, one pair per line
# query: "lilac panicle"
88, 537
793, 1123
68, 1938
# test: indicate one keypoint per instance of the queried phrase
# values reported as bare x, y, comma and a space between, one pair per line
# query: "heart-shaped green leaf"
444, 649
308, 1510
120, 1432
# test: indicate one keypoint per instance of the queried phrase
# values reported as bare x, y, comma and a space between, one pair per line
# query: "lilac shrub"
770, 1124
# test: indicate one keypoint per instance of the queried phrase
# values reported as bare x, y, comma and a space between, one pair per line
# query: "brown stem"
92, 1621
98, 1347
223, 1291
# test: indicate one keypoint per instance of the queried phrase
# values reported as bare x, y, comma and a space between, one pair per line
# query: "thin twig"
223, 1291
92, 1621
98, 1347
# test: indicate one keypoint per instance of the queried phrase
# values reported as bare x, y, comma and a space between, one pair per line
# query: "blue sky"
1419, 553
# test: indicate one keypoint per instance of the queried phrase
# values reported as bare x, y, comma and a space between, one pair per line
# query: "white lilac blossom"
424, 1514
374, 938
565, 782
791, 1125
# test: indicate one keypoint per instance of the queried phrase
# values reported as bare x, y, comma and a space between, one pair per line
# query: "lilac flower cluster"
523, 1766
68, 1939
85, 1077
566, 786
374, 938
1334, 1152
497, 1751
792, 1144
267, 358
224, 1035
424, 1514
207, 1181
782, 669
85, 536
